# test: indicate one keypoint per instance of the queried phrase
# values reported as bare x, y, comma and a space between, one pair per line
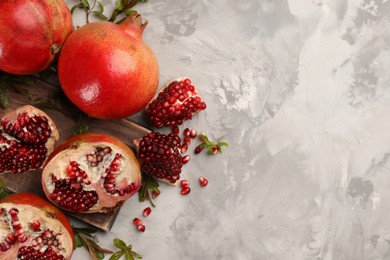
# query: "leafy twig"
84, 238
212, 148
148, 186
3, 189
125, 250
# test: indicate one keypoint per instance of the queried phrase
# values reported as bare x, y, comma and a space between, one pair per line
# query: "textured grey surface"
300, 89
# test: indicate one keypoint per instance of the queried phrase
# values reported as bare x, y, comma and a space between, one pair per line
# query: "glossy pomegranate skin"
107, 70
42, 204
32, 33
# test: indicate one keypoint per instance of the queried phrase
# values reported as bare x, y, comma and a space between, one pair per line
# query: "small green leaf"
3, 189
100, 5
100, 15
77, 241
120, 244
203, 138
85, 3
119, 5
100, 255
223, 144
116, 255
130, 12
75, 7
4, 97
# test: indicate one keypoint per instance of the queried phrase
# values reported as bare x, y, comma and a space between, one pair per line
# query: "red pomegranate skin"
107, 70
32, 32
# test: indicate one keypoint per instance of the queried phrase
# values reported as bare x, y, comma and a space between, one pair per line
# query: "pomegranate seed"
147, 211
193, 133
183, 148
141, 228
198, 149
185, 190
155, 194
175, 129
186, 159
186, 132
215, 149
36, 225
137, 221
187, 140
184, 183
203, 181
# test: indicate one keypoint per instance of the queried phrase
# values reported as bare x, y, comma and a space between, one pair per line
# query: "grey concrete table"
301, 91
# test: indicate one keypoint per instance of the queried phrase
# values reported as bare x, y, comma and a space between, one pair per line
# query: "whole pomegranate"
32, 228
27, 137
91, 172
178, 101
32, 33
107, 70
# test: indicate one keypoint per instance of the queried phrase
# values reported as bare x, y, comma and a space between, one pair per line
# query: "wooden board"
125, 130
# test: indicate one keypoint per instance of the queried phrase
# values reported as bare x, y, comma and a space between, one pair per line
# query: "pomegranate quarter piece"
91, 172
32, 228
27, 137
178, 101
160, 157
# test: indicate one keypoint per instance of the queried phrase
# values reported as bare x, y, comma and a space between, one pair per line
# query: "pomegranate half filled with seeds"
178, 101
27, 137
32, 228
91, 172
160, 156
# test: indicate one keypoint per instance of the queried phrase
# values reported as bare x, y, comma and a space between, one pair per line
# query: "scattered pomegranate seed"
198, 149
186, 159
187, 140
193, 133
185, 190
214, 149
141, 228
184, 148
186, 132
175, 129
203, 181
155, 194
147, 211
184, 183
137, 221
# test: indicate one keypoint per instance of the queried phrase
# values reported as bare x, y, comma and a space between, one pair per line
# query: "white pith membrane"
30, 111
127, 173
26, 215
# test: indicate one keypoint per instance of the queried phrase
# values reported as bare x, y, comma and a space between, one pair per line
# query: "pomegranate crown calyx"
135, 20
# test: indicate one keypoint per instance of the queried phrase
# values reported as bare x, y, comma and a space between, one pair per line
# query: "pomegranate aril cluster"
178, 102
160, 156
30, 153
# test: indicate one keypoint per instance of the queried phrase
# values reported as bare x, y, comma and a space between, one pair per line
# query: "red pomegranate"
107, 70
27, 137
91, 172
32, 228
32, 33
178, 101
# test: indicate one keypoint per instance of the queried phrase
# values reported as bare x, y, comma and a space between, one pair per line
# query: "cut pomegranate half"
178, 101
27, 137
91, 172
32, 228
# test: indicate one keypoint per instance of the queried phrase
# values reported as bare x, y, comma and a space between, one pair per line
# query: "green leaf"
4, 97
75, 7
100, 5
223, 144
120, 244
148, 184
119, 5
100, 255
77, 241
85, 3
3, 189
130, 12
100, 15
116, 255
128, 256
